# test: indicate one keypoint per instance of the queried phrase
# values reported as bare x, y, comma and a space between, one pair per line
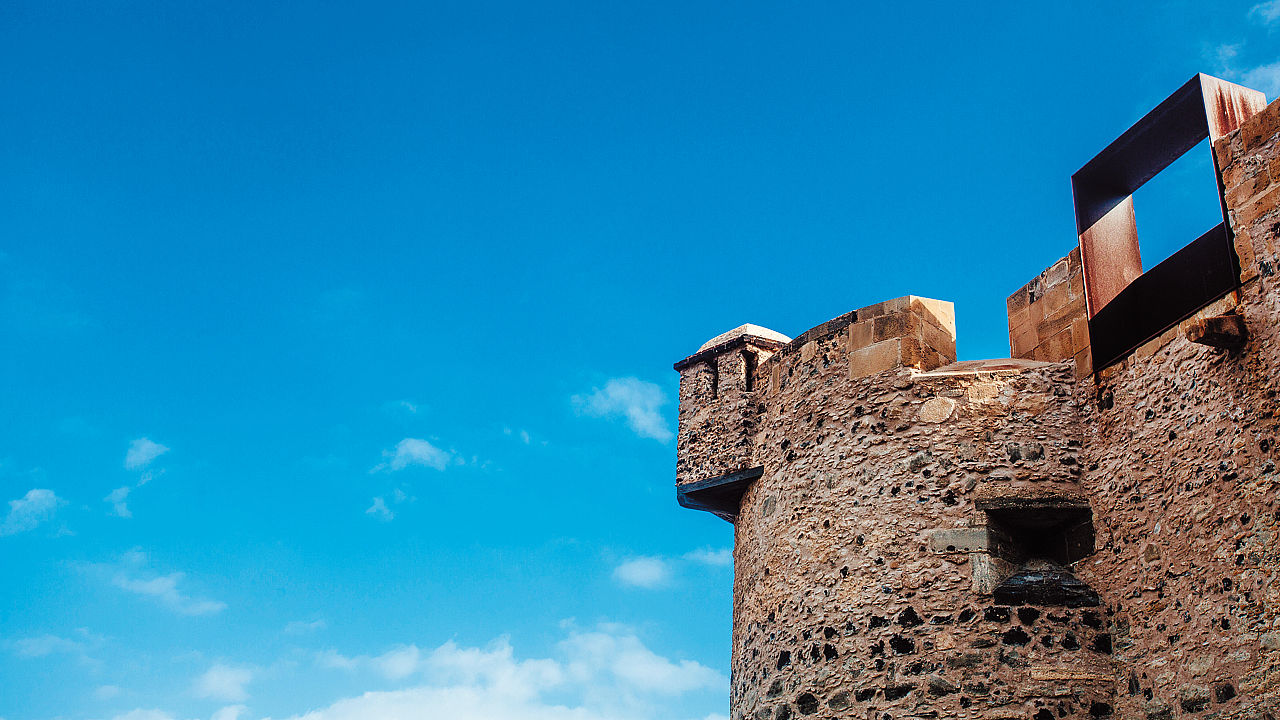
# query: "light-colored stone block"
875, 358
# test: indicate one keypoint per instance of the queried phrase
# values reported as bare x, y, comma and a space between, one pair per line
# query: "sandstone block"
935, 410
861, 334
875, 358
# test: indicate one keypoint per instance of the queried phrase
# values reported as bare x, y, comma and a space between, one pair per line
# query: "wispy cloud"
1231, 58
1263, 77
722, 557
644, 572
379, 510
1267, 12
411, 452
224, 682
28, 511
230, 712
132, 575
637, 401
301, 627
40, 646
524, 435
141, 452
396, 664
607, 673
117, 499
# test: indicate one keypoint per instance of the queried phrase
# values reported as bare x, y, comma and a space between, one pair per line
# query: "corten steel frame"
1126, 306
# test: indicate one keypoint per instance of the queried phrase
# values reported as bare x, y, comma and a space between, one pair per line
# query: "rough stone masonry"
1028, 538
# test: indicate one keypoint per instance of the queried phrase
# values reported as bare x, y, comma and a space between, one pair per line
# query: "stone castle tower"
1088, 529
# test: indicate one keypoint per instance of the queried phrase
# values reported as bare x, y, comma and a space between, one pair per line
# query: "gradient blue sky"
339, 336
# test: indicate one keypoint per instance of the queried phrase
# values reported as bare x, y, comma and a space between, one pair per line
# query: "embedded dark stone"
1100, 709
784, 713
829, 651
877, 622
784, 659
940, 620
966, 615
966, 660
897, 692
1015, 636
775, 689
1223, 693
909, 618
864, 694
1134, 687
1090, 618
807, 704
1043, 714
978, 688
1195, 704
939, 685
1069, 642
901, 645
983, 643
996, 614
1102, 644
1028, 615
1040, 582
839, 701
829, 632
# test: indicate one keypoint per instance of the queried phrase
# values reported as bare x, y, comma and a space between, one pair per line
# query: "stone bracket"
1221, 331
721, 496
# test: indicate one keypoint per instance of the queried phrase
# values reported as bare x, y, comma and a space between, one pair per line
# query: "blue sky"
339, 337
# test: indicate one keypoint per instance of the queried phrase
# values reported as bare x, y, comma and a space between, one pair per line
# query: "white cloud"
398, 663
722, 557
1264, 77
1268, 12
118, 498
380, 511
635, 400
30, 510
224, 682
636, 667
395, 664
141, 452
131, 574
414, 451
41, 646
44, 645
300, 627
141, 714
645, 572
604, 674
233, 712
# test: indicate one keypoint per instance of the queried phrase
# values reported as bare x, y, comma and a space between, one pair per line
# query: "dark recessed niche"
1041, 537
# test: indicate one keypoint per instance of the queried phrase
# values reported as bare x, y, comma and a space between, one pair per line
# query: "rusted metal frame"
1204, 107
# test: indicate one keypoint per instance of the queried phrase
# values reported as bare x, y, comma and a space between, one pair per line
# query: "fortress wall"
863, 568
1180, 451
1048, 319
718, 411
871, 550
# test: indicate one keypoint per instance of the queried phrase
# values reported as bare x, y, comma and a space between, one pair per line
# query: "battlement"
1086, 529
